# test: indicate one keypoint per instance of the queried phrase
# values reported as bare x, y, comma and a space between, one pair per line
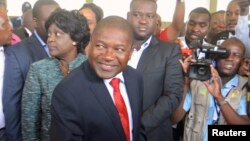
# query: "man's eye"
150, 16
136, 15
120, 49
99, 46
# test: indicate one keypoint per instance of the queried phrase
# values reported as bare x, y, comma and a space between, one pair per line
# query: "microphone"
210, 49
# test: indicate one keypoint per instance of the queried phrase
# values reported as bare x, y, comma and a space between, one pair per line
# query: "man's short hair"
95, 8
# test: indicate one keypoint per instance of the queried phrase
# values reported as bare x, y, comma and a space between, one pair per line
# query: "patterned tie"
121, 107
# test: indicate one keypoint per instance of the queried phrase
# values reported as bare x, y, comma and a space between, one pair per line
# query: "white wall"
15, 6
120, 7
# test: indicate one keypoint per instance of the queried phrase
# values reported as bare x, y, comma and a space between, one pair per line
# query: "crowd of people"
74, 75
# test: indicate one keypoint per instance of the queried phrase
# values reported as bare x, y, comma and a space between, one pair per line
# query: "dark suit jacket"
82, 109
163, 85
17, 61
21, 32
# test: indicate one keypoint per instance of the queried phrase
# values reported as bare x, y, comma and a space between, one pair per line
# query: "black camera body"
200, 70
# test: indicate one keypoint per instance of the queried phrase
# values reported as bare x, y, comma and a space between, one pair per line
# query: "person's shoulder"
133, 72
242, 81
26, 43
162, 44
75, 74
74, 80
164, 48
44, 64
18, 48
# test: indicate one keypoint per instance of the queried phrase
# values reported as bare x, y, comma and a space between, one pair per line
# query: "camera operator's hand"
214, 85
244, 6
186, 62
244, 67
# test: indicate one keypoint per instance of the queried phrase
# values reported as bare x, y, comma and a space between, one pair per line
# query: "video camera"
200, 70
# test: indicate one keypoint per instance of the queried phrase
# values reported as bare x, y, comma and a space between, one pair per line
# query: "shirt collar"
233, 82
40, 39
1, 49
146, 44
119, 75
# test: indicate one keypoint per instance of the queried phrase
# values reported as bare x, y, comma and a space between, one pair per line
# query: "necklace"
64, 69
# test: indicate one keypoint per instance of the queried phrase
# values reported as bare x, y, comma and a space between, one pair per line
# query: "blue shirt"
212, 109
42, 43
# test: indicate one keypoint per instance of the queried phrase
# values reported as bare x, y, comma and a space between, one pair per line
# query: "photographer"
219, 100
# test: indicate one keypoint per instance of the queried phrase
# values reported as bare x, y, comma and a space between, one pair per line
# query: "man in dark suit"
18, 59
162, 73
83, 104
5, 40
27, 28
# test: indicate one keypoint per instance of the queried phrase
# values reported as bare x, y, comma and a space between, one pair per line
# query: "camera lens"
202, 70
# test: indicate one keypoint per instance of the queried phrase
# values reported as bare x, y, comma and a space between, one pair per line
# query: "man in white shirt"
242, 29
5, 39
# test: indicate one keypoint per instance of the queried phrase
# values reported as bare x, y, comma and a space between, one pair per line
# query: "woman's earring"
74, 43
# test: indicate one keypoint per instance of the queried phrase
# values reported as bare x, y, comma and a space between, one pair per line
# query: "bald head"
115, 22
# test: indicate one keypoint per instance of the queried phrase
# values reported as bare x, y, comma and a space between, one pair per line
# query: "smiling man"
102, 99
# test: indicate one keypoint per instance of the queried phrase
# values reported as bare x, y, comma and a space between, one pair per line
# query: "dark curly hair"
72, 23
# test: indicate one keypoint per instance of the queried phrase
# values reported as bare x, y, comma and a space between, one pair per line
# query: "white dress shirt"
28, 31
242, 33
136, 55
2, 59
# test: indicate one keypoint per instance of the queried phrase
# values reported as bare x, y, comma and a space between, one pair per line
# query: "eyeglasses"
140, 15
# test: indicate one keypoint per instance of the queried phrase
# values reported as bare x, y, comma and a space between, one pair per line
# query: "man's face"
5, 28
43, 15
230, 65
232, 15
28, 20
143, 18
110, 51
197, 26
217, 23
91, 18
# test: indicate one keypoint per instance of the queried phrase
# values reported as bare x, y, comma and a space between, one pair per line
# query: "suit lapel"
102, 95
133, 96
147, 55
36, 48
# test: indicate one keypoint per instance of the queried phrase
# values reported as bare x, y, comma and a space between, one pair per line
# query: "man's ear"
128, 15
34, 22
